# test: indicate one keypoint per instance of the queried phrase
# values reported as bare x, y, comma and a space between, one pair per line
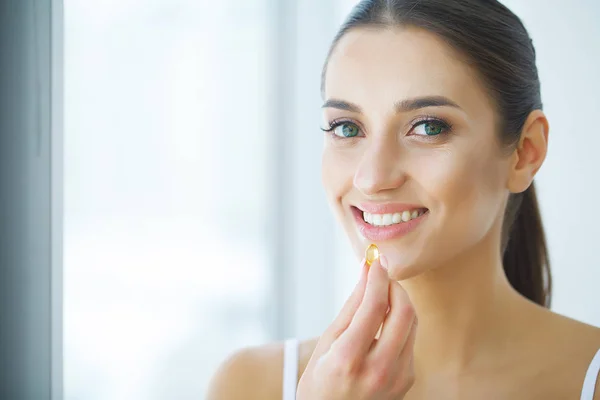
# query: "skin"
476, 337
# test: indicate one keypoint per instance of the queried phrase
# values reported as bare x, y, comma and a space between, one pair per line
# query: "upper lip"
387, 208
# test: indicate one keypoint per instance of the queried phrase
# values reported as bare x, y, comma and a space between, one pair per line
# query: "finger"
397, 326
344, 317
405, 364
407, 352
356, 340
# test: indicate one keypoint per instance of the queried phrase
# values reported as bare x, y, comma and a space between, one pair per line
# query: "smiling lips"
379, 222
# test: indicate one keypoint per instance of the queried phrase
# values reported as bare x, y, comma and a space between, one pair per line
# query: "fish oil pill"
371, 254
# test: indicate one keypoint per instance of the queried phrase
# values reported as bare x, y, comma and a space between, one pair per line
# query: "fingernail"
383, 262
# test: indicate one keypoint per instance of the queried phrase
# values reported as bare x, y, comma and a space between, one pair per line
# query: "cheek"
337, 173
465, 190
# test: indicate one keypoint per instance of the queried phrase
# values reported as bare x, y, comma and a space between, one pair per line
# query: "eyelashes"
349, 128
429, 127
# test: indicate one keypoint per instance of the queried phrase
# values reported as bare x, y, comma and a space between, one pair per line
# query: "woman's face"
413, 163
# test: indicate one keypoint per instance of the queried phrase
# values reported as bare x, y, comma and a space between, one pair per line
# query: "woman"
434, 131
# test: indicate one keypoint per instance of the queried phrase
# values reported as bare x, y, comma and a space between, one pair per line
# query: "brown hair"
497, 45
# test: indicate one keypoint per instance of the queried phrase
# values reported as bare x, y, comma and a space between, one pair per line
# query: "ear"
530, 153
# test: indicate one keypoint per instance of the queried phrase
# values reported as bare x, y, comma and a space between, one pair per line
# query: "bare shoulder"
588, 337
581, 335
573, 345
249, 373
255, 372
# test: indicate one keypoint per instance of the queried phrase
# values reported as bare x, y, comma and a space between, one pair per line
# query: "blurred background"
191, 184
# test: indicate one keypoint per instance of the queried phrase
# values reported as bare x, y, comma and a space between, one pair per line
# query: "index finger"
360, 334
346, 314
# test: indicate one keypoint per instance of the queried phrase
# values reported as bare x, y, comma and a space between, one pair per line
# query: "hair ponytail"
525, 253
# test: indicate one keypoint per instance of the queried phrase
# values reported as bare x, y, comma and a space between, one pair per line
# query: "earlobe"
530, 152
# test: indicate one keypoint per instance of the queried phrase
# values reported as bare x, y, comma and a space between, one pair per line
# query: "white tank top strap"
290, 369
591, 376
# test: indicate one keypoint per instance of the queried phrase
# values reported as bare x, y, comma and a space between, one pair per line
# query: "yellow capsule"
371, 254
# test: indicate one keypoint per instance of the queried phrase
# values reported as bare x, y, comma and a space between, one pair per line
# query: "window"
166, 190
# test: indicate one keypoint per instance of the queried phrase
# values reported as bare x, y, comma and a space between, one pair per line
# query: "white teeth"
391, 219
405, 216
377, 219
387, 219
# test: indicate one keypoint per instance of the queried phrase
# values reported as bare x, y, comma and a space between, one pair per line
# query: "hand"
349, 363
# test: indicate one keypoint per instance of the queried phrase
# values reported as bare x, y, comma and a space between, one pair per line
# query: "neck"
463, 309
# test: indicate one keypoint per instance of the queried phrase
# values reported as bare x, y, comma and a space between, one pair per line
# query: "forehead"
375, 67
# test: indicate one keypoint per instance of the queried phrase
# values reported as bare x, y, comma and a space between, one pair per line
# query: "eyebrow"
400, 106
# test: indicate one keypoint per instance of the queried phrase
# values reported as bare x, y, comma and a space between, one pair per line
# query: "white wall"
567, 41
168, 194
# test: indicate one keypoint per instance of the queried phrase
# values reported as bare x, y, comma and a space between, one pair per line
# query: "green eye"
430, 128
346, 130
433, 129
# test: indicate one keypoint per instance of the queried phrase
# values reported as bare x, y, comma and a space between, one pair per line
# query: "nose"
380, 168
